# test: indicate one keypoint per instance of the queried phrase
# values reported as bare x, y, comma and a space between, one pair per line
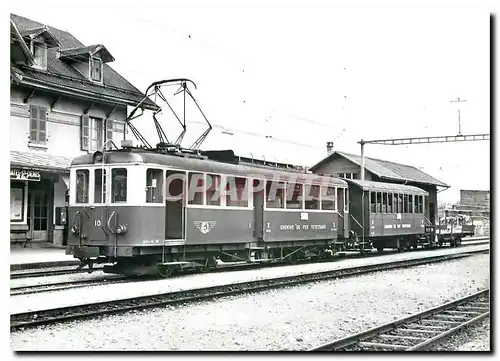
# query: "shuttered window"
38, 124
92, 133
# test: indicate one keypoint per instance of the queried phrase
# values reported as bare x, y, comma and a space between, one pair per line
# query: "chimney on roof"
329, 148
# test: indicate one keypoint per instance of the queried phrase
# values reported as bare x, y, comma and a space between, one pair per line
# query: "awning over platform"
39, 161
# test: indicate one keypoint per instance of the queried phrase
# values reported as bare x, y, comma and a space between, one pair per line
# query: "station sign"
26, 175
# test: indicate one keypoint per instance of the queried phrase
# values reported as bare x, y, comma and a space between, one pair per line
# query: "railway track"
44, 272
59, 286
56, 315
420, 330
66, 269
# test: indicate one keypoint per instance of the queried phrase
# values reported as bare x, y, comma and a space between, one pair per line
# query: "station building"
345, 165
65, 100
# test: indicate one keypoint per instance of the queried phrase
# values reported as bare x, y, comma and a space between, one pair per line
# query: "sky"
285, 78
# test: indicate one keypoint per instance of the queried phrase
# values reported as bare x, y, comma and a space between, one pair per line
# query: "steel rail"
417, 334
55, 315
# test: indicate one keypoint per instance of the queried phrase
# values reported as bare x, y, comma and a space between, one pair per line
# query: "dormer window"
96, 69
40, 55
39, 40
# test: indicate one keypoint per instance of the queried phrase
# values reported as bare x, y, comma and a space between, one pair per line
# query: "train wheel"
165, 271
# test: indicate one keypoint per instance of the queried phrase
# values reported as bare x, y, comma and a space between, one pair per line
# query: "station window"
400, 203
274, 194
379, 202
389, 203
410, 203
373, 202
196, 184
384, 202
327, 198
82, 186
213, 190
154, 185
118, 185
100, 186
236, 192
312, 197
294, 197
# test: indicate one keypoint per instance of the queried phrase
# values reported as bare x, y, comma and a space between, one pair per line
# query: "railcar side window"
327, 198
389, 203
311, 195
395, 203
154, 185
384, 202
379, 202
236, 192
346, 200
410, 203
373, 202
294, 197
421, 205
213, 190
415, 210
100, 186
274, 194
406, 199
400, 203
196, 185
118, 185
82, 186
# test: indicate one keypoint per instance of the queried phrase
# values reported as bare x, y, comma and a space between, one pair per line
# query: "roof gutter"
81, 93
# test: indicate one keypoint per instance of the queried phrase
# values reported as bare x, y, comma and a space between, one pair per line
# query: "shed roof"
40, 161
387, 170
387, 187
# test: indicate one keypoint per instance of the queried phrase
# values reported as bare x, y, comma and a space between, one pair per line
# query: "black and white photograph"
250, 176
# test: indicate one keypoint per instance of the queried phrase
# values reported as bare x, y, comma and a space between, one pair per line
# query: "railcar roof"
202, 165
387, 187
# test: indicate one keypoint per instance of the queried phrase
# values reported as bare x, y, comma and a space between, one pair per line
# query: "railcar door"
98, 215
340, 208
258, 206
175, 206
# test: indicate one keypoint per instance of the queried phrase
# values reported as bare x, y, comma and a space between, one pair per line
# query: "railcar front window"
118, 185
400, 203
213, 190
312, 197
274, 194
373, 202
410, 203
154, 185
236, 192
346, 200
294, 196
100, 186
421, 205
82, 186
405, 203
389, 203
416, 204
327, 198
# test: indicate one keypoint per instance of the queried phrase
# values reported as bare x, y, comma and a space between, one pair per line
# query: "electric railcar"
145, 212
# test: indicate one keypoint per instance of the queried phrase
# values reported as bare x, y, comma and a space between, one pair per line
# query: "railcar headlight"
98, 156
121, 229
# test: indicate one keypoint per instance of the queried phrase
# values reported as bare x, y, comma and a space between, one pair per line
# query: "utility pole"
458, 101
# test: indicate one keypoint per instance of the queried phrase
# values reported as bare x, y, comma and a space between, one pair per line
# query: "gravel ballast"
473, 338
295, 318
70, 297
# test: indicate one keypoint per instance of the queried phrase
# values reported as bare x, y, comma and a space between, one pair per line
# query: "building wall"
63, 139
341, 165
63, 122
475, 198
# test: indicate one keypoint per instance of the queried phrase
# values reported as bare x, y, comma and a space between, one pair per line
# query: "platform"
37, 257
